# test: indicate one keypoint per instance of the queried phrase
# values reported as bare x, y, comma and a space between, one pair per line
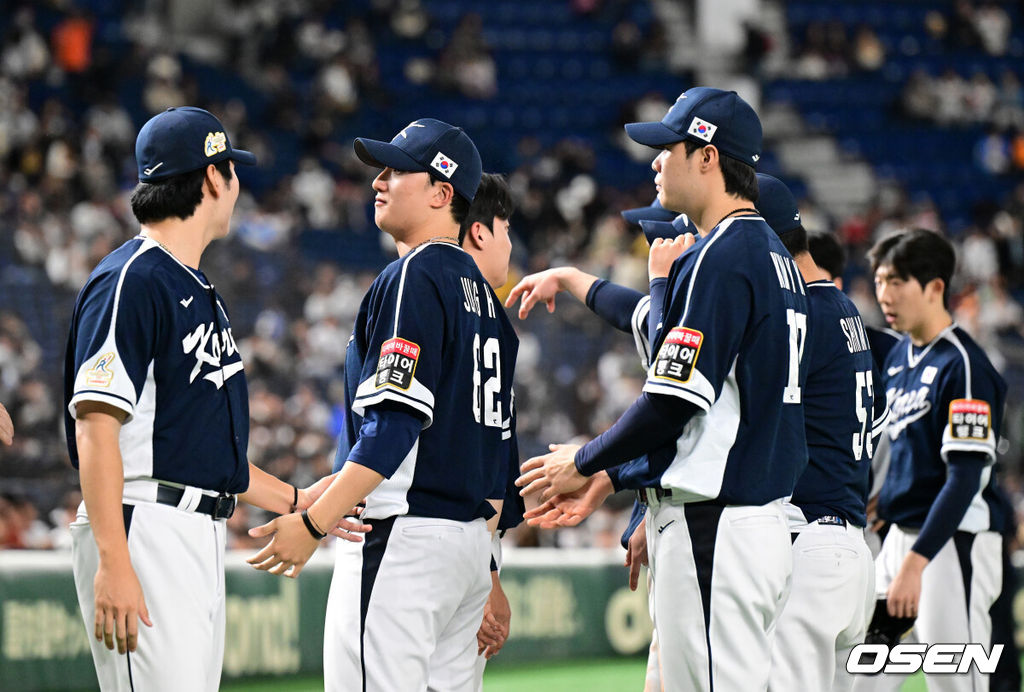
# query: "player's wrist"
312, 526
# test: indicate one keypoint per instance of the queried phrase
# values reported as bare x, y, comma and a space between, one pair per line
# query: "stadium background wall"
565, 604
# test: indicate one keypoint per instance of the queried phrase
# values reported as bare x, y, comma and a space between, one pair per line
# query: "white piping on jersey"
405, 267
913, 360
722, 227
643, 347
951, 336
147, 245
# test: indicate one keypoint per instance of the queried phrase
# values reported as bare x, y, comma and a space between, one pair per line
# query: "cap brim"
379, 154
654, 134
651, 213
246, 158
659, 229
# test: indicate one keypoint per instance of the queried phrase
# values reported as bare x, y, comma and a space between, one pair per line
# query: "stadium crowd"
67, 168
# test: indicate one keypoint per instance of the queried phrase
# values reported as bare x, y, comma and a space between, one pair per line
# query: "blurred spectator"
72, 43
993, 26
466, 63
868, 51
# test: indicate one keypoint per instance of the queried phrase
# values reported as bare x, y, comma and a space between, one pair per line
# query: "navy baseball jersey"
150, 336
882, 341
943, 397
733, 341
844, 408
432, 337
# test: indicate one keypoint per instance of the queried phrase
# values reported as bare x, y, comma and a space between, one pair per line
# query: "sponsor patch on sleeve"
678, 354
969, 419
397, 363
102, 372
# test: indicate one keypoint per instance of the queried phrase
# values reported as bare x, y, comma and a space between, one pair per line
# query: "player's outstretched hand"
307, 496
636, 553
664, 252
569, 509
289, 549
537, 288
551, 474
494, 628
6, 426
351, 529
120, 605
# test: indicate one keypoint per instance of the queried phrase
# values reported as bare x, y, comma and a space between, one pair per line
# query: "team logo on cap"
702, 129
216, 142
444, 165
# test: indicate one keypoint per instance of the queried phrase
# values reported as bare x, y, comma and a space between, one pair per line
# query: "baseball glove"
885, 628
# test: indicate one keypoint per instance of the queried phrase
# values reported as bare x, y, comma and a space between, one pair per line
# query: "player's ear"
213, 181
442, 194
934, 289
477, 235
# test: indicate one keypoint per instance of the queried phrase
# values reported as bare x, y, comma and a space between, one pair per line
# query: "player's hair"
827, 252
493, 199
740, 179
795, 241
919, 254
175, 197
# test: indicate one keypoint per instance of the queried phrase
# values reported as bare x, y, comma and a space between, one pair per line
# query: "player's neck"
929, 328
185, 240
443, 232
809, 270
719, 208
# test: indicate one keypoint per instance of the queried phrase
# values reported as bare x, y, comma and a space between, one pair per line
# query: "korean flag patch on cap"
702, 129
444, 165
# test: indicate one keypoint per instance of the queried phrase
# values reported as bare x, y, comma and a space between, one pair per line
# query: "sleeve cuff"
104, 398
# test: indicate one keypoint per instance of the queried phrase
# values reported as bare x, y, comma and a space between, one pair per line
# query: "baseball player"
157, 422
830, 256
720, 420
428, 382
941, 560
831, 597
632, 312
484, 235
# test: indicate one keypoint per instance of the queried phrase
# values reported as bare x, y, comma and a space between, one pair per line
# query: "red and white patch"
969, 419
397, 363
678, 354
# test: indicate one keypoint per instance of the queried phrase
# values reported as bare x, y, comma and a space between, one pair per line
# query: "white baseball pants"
405, 606
721, 576
178, 557
830, 604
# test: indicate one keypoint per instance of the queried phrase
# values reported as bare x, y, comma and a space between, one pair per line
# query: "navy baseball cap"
183, 139
669, 230
776, 204
428, 146
653, 212
706, 116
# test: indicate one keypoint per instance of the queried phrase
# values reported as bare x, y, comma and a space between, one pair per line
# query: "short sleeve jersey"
733, 341
945, 397
432, 337
151, 337
844, 408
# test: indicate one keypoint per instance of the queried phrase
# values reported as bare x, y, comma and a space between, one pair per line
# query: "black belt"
216, 506
659, 494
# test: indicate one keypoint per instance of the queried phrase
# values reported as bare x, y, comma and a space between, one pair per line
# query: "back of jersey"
733, 344
844, 408
434, 339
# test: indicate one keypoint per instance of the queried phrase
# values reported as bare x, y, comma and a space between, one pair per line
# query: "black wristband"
311, 527
295, 499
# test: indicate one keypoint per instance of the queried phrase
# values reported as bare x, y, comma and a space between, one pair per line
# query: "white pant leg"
945, 616
967, 563
652, 681
827, 613
702, 560
178, 558
405, 594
